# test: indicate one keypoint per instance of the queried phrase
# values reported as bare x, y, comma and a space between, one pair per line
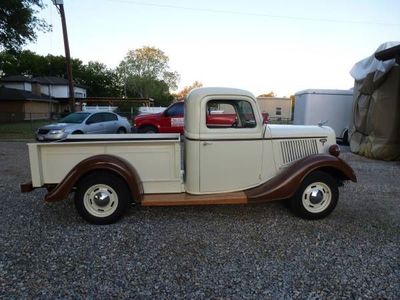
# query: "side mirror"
250, 124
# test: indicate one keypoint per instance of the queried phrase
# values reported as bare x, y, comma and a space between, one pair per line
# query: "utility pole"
60, 6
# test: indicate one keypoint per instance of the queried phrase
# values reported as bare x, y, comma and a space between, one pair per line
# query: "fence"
273, 120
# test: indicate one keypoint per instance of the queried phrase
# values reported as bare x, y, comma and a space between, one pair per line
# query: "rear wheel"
317, 196
147, 129
102, 198
77, 132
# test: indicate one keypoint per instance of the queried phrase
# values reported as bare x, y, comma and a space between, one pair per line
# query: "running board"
188, 199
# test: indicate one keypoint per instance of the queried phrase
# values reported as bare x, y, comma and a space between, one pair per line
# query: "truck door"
173, 119
230, 145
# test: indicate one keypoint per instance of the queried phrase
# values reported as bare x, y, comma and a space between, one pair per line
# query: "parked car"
171, 120
83, 123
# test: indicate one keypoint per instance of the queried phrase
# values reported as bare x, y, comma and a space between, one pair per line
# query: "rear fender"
98, 162
286, 183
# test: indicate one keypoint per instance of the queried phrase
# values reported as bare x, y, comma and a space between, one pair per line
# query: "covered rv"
375, 131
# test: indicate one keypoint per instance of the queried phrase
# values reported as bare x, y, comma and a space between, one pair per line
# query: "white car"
84, 123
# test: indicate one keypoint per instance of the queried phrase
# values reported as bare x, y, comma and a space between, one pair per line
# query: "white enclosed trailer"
334, 107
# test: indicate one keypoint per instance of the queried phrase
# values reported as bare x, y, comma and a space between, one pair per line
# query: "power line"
253, 14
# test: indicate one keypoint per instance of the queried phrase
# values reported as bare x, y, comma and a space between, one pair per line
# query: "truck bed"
156, 157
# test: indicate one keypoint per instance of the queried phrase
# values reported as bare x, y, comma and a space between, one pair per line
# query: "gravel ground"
261, 251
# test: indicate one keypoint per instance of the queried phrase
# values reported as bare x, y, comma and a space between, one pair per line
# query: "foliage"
99, 80
186, 90
145, 73
29, 63
19, 23
270, 94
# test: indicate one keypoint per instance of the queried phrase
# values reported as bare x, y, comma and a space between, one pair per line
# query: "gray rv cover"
376, 108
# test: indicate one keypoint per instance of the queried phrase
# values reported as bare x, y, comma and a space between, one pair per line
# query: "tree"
96, 77
185, 91
145, 73
29, 63
19, 23
99, 80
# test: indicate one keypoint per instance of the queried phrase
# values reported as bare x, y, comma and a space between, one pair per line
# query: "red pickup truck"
171, 120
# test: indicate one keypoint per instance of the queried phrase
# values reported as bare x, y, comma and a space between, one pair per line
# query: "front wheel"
317, 196
102, 198
147, 129
121, 130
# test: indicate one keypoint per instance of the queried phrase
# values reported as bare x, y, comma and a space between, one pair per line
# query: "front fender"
98, 162
286, 183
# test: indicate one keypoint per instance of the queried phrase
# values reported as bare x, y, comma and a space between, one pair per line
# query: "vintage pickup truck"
243, 162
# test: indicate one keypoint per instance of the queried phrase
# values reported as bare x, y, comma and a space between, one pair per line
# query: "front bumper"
51, 137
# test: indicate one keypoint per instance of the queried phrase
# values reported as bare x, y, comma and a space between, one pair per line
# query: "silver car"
84, 122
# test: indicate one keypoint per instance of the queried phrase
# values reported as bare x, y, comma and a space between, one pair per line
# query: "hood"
58, 126
145, 116
301, 131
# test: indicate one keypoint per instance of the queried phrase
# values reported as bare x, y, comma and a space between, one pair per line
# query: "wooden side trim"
26, 187
98, 162
188, 199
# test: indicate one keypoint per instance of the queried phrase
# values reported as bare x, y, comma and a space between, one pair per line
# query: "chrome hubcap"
101, 200
316, 197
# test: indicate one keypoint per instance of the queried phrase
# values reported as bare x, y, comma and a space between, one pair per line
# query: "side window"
176, 110
230, 114
96, 118
109, 117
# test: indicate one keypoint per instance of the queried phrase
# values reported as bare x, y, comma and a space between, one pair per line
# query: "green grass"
21, 130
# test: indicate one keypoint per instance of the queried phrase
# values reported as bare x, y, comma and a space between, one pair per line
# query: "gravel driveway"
260, 251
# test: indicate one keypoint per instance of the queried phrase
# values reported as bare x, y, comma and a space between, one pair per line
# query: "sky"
257, 45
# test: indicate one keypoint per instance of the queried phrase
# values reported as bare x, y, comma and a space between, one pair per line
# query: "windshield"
75, 118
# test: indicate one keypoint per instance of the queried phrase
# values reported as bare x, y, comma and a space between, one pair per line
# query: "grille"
296, 149
43, 131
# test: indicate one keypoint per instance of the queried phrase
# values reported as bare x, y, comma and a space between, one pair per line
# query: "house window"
230, 114
278, 111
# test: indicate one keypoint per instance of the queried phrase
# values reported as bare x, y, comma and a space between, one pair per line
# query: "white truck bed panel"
158, 162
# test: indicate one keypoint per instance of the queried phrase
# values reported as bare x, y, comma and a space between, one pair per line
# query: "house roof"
51, 80
7, 94
47, 80
16, 78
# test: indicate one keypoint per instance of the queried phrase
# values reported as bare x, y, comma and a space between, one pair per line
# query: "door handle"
206, 143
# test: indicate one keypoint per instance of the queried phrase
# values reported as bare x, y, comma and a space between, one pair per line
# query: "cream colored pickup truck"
243, 162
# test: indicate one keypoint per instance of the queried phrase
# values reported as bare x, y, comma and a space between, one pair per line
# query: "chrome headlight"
56, 131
